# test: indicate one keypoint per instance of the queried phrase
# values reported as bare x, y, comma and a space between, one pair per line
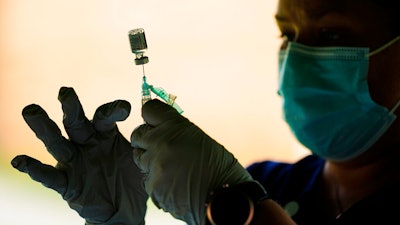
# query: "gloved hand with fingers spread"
95, 172
183, 164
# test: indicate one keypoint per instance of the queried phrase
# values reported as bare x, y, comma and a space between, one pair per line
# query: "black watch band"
234, 205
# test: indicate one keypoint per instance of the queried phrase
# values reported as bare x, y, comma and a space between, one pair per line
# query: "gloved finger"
139, 142
139, 136
139, 156
48, 132
77, 126
107, 115
154, 112
45, 174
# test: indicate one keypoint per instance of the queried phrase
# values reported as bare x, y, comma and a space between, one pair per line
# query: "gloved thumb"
155, 112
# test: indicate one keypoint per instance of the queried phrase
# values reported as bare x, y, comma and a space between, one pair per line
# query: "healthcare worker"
339, 79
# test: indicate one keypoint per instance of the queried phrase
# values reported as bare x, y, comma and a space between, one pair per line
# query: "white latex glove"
95, 172
183, 164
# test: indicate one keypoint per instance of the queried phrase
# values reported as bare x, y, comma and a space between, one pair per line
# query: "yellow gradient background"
218, 57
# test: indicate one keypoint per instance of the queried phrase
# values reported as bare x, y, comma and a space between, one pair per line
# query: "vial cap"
142, 60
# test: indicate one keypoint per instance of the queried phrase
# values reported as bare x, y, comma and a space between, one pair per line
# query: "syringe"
138, 42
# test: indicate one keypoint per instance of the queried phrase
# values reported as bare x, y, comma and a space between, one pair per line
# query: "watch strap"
236, 204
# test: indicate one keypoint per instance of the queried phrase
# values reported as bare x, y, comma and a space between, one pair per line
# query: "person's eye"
331, 37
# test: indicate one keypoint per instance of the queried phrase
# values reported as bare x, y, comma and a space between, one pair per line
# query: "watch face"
230, 207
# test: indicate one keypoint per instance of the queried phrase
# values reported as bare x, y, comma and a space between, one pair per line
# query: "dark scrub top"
293, 187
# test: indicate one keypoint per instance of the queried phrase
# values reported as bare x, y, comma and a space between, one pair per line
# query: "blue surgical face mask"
326, 101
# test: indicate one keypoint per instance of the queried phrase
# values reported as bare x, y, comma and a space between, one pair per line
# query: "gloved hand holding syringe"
138, 42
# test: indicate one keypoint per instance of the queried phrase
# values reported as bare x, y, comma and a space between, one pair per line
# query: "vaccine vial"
138, 43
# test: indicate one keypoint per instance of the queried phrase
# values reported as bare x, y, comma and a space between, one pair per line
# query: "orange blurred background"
218, 57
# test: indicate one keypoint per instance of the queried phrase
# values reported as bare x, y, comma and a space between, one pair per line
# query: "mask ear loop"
395, 107
376, 51
379, 50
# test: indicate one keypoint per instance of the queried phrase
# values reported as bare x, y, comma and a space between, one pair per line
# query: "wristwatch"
234, 205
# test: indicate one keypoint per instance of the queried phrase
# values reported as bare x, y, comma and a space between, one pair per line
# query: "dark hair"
392, 5
393, 8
